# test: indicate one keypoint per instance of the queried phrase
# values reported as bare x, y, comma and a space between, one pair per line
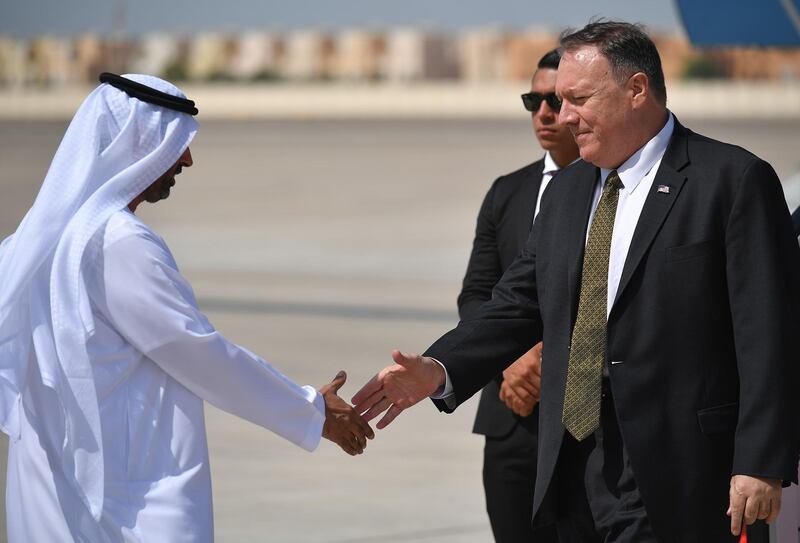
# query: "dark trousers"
509, 475
597, 497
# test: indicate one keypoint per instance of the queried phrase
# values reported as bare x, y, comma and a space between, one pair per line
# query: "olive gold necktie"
587, 353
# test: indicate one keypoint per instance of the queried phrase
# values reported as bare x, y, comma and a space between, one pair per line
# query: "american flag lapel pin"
663, 188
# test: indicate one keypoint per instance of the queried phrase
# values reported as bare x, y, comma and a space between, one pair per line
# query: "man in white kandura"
105, 358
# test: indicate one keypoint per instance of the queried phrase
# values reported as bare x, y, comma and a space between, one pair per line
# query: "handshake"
397, 387
411, 379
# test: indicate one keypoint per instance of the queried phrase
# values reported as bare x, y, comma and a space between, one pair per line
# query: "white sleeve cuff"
447, 390
314, 434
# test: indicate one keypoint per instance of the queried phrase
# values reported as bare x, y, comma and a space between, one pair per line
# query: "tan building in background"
157, 53
402, 54
13, 62
87, 57
675, 52
524, 51
258, 55
483, 55
359, 54
414, 54
309, 56
50, 61
210, 56
766, 64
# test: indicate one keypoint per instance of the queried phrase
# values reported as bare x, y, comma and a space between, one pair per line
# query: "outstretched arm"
153, 307
468, 356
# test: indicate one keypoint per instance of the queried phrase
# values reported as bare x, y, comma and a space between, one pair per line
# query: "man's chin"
548, 144
586, 154
163, 191
163, 195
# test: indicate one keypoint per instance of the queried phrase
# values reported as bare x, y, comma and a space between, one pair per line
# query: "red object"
743, 538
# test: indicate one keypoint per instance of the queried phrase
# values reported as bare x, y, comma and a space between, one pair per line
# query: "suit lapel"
657, 205
579, 212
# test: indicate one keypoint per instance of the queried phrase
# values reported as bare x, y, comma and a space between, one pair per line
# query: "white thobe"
155, 358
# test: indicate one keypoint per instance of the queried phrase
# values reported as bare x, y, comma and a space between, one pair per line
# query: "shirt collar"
633, 170
550, 165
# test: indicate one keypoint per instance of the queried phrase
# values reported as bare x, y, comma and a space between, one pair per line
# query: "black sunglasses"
532, 101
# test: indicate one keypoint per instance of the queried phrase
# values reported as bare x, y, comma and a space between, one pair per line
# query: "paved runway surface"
323, 245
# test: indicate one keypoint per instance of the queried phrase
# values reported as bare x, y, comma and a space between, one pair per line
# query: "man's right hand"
343, 425
522, 382
411, 379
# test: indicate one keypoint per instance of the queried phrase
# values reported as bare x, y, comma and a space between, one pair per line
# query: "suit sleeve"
153, 307
763, 273
504, 329
483, 270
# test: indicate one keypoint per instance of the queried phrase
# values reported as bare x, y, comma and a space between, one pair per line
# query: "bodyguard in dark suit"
669, 383
507, 413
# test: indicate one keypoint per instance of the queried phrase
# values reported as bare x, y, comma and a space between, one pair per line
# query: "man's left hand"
753, 498
522, 382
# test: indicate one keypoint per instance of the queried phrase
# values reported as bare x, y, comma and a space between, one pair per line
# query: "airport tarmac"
323, 245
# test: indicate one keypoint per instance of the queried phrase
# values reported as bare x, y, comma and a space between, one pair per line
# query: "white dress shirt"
637, 175
550, 169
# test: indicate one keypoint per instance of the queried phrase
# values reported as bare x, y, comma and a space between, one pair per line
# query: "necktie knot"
613, 182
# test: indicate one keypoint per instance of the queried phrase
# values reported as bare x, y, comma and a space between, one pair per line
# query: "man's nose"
545, 112
187, 158
567, 115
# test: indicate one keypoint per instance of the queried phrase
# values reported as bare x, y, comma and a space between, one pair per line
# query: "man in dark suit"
662, 275
507, 414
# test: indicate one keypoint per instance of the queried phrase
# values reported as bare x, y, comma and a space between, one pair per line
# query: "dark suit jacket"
796, 221
504, 223
703, 333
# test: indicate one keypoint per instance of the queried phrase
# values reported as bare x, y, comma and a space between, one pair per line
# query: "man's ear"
639, 88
